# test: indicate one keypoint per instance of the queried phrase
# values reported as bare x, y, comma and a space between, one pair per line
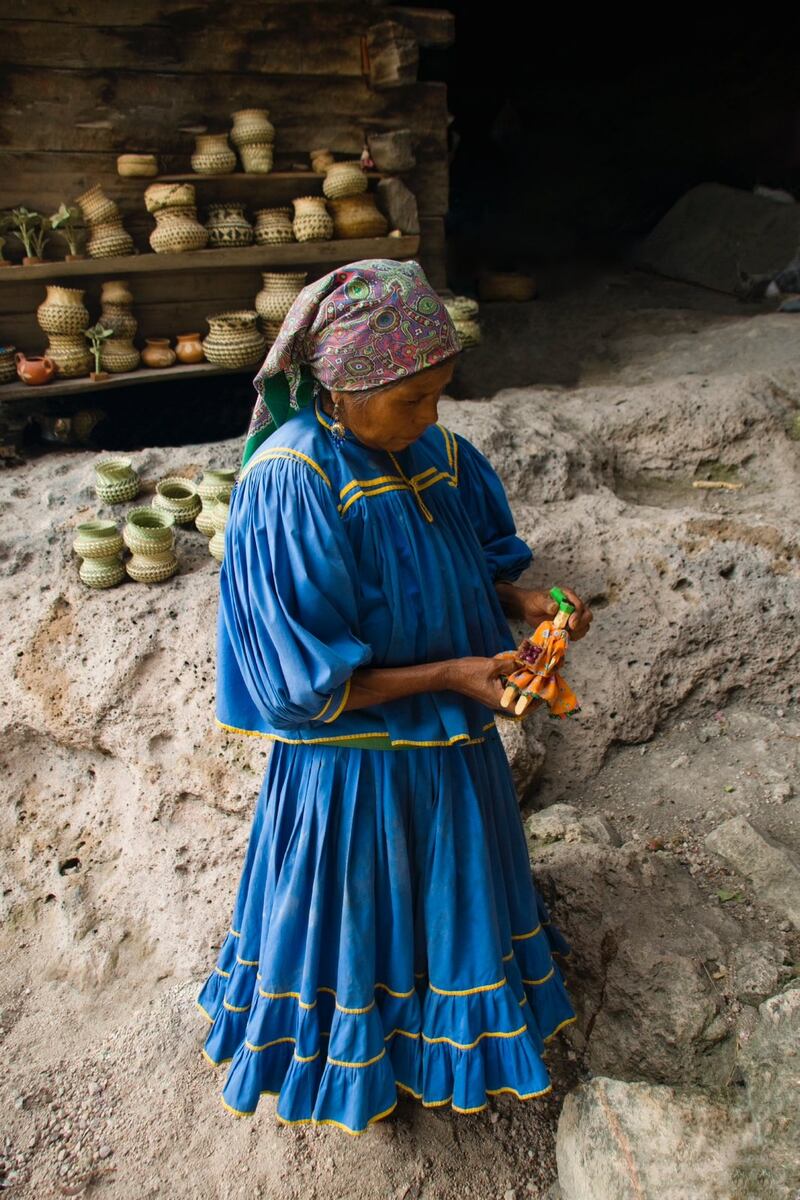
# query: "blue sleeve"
484, 498
288, 620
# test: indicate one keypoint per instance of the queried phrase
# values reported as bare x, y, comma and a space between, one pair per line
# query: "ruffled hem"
342, 1067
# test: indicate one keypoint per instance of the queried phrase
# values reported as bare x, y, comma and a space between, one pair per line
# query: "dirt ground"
104, 1091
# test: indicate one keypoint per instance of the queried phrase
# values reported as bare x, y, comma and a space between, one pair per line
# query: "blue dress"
387, 932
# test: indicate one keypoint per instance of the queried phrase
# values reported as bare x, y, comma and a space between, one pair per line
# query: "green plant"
32, 229
65, 221
97, 334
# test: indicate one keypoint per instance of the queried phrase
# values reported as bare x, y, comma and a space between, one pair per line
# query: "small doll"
537, 659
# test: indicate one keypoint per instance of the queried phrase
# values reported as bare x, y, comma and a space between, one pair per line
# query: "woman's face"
396, 415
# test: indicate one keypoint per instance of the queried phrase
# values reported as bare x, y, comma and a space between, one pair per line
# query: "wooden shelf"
194, 176
77, 387
293, 254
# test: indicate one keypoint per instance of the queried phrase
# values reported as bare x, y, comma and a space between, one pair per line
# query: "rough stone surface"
124, 811
770, 865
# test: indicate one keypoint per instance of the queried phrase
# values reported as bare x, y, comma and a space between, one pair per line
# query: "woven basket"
109, 240
357, 217
344, 179
169, 195
178, 497
273, 226
312, 221
96, 206
256, 159
71, 354
115, 480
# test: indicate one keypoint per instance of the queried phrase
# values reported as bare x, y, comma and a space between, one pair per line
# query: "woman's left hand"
540, 606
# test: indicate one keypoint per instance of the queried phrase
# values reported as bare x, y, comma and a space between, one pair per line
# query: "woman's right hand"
479, 678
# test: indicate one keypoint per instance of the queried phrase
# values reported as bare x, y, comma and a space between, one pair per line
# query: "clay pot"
312, 221
115, 480
158, 353
228, 226
137, 166
177, 231
234, 340
71, 354
213, 155
63, 310
35, 371
99, 376
169, 195
99, 543
150, 536
31, 261
273, 226
252, 127
344, 179
189, 348
357, 217
276, 298
256, 159
119, 354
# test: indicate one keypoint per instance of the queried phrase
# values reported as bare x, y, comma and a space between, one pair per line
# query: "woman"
386, 932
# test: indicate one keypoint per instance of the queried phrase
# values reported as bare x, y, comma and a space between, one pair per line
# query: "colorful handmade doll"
538, 658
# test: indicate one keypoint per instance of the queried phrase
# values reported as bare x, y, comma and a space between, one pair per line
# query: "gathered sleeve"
288, 629
485, 500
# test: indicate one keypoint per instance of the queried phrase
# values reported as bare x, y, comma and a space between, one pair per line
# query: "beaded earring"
338, 430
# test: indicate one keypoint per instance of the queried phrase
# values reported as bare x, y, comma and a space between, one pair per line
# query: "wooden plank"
178, 15
75, 387
294, 254
132, 111
431, 26
306, 39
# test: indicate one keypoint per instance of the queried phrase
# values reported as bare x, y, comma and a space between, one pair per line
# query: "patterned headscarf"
362, 325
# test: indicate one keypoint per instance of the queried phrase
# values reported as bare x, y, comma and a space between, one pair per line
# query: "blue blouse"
340, 558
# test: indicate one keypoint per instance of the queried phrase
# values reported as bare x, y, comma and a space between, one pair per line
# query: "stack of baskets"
107, 237
253, 135
174, 207
63, 316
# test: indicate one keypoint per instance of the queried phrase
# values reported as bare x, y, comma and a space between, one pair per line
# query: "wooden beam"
431, 26
77, 387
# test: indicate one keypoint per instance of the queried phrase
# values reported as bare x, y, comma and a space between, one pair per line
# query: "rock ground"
125, 811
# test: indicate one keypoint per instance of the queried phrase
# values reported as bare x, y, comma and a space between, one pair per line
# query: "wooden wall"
82, 83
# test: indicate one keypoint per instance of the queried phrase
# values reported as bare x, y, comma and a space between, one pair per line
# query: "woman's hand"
479, 678
540, 606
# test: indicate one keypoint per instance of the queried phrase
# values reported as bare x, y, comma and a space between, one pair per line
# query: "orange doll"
537, 659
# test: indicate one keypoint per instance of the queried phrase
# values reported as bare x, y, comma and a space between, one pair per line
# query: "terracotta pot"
31, 260
189, 348
312, 221
99, 376
75, 257
357, 217
158, 353
63, 310
35, 371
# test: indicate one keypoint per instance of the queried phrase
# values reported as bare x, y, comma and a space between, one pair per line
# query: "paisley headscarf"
362, 325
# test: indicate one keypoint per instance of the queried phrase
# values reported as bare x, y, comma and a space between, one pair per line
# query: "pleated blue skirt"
387, 933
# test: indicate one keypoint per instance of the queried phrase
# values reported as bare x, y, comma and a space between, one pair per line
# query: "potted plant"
97, 334
65, 221
33, 231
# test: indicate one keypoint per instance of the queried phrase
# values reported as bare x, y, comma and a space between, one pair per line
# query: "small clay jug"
158, 353
189, 348
35, 371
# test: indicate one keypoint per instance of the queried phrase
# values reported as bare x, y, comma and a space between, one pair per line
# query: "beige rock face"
125, 811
